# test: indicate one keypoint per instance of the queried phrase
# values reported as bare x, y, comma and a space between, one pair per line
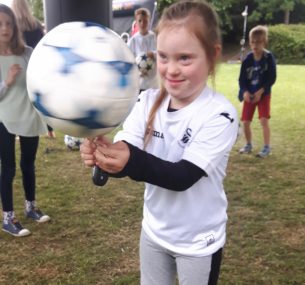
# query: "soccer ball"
82, 78
73, 143
146, 64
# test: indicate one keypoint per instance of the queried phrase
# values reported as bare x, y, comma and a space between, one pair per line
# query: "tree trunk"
286, 16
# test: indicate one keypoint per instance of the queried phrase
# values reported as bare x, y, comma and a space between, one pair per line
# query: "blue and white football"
73, 143
83, 79
146, 64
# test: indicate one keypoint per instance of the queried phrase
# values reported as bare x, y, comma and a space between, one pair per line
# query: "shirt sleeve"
3, 88
270, 74
213, 143
243, 79
28, 53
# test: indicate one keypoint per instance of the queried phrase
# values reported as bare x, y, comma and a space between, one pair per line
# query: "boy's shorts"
263, 107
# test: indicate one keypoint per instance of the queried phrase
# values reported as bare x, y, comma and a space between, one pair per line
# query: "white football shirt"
191, 222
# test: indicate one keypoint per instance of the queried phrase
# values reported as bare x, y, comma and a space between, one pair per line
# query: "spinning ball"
82, 78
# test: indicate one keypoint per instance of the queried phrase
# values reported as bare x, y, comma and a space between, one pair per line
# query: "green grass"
94, 233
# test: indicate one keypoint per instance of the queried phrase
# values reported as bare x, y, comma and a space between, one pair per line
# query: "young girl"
31, 29
17, 117
178, 139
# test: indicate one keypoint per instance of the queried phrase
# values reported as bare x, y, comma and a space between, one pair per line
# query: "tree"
37, 8
268, 8
163, 4
229, 12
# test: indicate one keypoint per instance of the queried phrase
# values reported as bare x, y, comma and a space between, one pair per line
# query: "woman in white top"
17, 117
177, 140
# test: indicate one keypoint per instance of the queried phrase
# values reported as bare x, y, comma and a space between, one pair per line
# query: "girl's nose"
172, 67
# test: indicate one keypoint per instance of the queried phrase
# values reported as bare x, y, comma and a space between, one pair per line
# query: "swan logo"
186, 137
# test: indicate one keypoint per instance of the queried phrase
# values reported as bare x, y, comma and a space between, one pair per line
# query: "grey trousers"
160, 266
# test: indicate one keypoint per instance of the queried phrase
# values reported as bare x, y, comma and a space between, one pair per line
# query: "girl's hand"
112, 158
102, 140
12, 74
87, 149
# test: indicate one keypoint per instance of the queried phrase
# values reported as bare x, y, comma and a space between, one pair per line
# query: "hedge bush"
287, 42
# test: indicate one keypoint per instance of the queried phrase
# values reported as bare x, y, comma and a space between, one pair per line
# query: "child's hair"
25, 19
259, 31
143, 12
17, 45
202, 21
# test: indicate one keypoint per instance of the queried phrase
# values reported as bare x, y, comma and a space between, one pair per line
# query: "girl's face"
182, 64
6, 28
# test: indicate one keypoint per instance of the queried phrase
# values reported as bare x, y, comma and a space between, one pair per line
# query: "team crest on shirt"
186, 137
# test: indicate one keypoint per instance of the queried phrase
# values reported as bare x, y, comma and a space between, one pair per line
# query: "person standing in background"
144, 42
257, 75
32, 31
17, 117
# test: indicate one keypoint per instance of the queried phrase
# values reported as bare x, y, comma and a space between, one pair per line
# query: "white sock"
29, 205
8, 216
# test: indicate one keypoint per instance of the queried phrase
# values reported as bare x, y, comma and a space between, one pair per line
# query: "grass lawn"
93, 236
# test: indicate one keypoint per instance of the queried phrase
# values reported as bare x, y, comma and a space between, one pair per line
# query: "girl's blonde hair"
17, 45
202, 21
25, 19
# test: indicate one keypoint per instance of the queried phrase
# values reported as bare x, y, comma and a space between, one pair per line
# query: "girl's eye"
162, 56
184, 57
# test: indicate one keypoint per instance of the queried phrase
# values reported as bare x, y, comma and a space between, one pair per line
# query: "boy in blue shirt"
257, 75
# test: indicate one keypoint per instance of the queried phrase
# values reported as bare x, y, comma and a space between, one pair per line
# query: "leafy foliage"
163, 4
37, 8
267, 9
259, 12
287, 42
